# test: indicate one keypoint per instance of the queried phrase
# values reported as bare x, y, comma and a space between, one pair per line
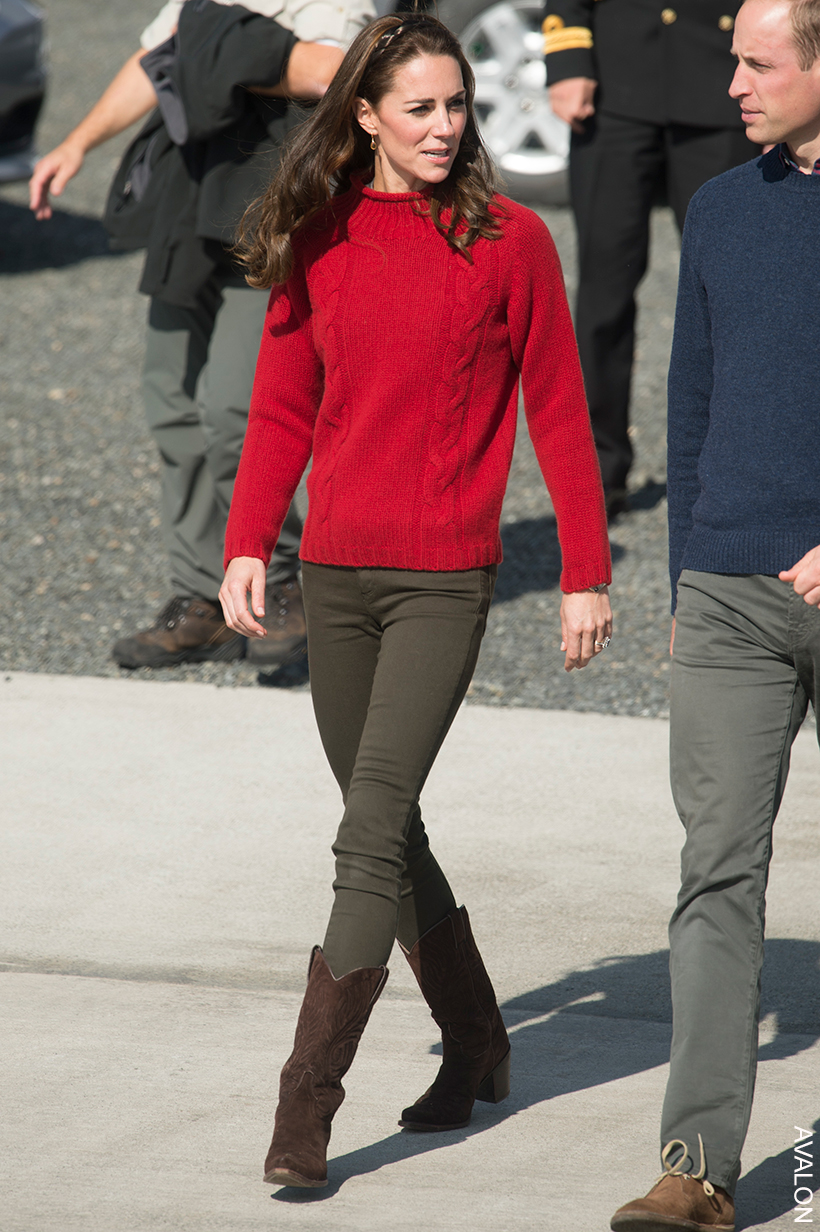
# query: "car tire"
503, 42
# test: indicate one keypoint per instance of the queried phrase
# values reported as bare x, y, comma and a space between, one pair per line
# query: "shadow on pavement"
558, 1061
532, 558
768, 1190
647, 497
289, 676
65, 239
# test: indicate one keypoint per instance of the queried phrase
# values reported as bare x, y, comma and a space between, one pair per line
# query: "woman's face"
417, 125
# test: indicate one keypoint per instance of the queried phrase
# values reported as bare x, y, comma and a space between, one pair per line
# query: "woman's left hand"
586, 624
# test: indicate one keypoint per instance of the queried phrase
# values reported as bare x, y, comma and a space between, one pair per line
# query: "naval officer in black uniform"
644, 88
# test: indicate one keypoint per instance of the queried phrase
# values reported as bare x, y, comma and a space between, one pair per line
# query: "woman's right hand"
244, 573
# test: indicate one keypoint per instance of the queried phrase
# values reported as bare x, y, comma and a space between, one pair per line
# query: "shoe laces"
280, 595
678, 1169
176, 609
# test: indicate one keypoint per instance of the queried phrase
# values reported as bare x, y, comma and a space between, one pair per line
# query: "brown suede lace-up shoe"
185, 631
284, 620
679, 1201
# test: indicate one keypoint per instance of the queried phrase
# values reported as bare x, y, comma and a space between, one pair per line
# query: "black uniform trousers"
618, 169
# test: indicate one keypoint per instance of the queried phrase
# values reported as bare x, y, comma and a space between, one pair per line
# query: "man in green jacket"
221, 115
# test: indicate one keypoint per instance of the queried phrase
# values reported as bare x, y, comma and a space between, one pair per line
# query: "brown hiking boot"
679, 1202
476, 1064
185, 631
284, 620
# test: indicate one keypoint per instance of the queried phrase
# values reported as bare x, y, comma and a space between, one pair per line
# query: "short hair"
805, 23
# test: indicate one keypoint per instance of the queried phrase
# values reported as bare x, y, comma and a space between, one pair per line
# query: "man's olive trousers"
745, 666
391, 654
197, 382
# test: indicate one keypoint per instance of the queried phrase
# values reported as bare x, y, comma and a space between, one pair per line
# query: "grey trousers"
745, 666
197, 381
391, 654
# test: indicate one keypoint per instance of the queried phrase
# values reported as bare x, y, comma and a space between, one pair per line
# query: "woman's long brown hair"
319, 157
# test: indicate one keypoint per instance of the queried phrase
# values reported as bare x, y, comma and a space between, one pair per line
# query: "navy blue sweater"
744, 378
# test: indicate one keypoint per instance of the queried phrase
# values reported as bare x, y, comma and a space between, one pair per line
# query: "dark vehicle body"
22, 85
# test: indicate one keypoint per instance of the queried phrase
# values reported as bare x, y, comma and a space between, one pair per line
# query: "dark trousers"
391, 654
197, 382
618, 167
746, 665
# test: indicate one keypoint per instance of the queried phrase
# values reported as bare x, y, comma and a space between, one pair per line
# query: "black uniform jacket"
664, 64
208, 149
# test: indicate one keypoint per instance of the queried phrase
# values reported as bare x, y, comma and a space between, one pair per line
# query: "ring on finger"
603, 645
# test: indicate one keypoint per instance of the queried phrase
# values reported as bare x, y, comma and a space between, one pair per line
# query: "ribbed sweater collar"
775, 170
385, 215
358, 187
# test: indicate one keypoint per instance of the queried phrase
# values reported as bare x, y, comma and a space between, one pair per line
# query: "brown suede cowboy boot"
679, 1201
456, 986
333, 1016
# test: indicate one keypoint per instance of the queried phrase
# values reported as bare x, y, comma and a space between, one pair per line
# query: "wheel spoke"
553, 133
504, 132
501, 43
505, 32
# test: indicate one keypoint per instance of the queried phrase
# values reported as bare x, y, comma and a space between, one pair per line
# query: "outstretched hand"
244, 573
128, 98
51, 174
805, 577
586, 622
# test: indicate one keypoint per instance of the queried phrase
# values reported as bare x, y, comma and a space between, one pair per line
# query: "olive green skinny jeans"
391, 654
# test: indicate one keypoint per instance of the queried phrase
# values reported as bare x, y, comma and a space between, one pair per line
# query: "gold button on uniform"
726, 23
668, 16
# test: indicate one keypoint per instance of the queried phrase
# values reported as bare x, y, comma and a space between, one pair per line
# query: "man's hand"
51, 174
572, 100
672, 638
805, 577
244, 573
129, 97
310, 69
586, 621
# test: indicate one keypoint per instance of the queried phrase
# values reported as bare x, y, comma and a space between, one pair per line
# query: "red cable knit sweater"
396, 363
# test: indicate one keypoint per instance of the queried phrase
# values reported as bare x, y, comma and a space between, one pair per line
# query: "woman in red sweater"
408, 300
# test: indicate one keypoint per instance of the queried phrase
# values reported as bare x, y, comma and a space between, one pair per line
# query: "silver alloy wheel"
504, 44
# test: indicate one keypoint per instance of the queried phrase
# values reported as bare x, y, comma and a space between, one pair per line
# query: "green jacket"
206, 152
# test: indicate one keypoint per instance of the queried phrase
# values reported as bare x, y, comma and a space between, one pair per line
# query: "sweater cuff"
247, 547
582, 577
571, 62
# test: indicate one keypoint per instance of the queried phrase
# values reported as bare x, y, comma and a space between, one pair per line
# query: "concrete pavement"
164, 871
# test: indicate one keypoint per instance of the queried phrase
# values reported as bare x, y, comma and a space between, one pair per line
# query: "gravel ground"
82, 555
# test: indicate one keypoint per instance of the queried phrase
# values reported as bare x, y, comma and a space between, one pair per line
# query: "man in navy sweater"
744, 526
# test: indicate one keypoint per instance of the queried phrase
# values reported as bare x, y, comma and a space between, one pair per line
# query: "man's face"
778, 100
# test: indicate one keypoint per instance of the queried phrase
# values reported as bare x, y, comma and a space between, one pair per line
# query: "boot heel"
496, 1086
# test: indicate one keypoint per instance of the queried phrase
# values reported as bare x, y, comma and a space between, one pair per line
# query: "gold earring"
373, 145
